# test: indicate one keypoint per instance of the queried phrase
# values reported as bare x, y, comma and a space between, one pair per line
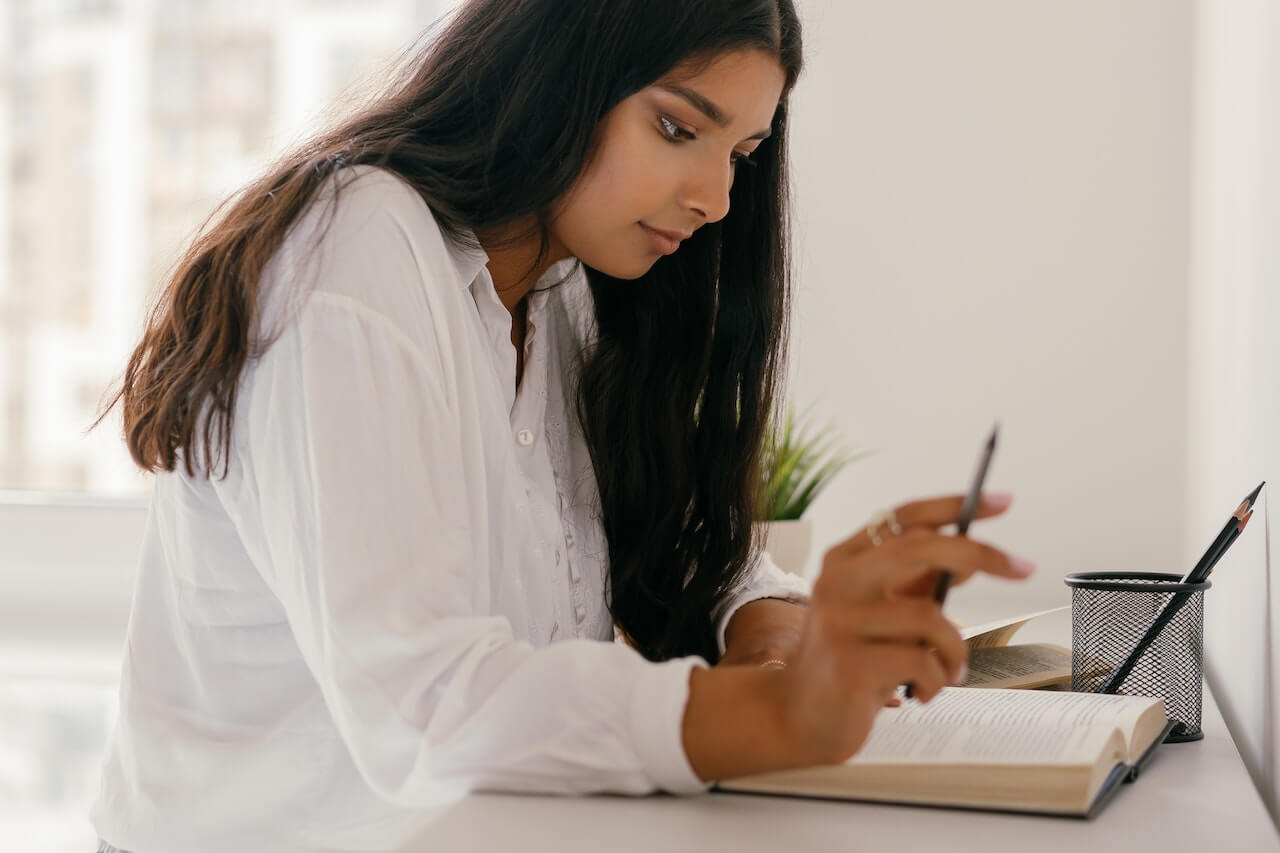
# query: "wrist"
735, 723
763, 629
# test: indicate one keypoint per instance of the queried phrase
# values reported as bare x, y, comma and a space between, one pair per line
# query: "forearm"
765, 629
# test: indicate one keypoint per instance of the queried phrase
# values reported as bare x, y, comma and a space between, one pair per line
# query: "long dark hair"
491, 122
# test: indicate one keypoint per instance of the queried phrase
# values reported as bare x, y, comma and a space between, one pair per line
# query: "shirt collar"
468, 257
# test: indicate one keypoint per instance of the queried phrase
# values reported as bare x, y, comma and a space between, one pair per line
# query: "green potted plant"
796, 465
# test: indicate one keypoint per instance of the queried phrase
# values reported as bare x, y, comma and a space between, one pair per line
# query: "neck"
514, 265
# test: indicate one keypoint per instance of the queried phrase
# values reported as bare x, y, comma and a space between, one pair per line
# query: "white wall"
992, 204
1235, 313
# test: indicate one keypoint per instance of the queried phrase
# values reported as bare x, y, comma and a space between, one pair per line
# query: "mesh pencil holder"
1113, 613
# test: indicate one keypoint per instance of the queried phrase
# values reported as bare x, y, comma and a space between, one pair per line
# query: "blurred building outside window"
122, 124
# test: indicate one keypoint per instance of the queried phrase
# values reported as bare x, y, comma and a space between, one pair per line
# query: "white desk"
1194, 797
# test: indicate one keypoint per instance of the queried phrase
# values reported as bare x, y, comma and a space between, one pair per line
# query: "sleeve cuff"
767, 581
657, 721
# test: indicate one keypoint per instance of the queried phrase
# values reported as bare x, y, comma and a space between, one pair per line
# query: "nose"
706, 192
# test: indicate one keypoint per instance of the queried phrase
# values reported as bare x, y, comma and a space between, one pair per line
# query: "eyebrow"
707, 108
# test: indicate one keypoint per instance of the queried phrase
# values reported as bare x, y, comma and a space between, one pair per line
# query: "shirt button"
525, 437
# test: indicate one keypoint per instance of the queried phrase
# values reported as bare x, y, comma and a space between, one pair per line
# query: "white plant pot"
788, 543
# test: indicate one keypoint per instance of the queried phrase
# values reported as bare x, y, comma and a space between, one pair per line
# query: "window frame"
68, 562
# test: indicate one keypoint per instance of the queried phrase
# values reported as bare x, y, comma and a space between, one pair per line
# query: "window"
121, 127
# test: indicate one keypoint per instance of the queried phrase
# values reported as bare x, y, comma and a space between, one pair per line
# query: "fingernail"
998, 500
1022, 566
962, 674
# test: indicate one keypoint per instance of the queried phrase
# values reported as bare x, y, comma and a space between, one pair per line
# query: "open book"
995, 663
1005, 750
991, 635
1024, 666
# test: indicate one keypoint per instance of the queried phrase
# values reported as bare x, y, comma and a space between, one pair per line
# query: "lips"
678, 236
664, 242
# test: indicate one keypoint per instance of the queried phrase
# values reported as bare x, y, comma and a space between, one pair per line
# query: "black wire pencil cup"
1142, 633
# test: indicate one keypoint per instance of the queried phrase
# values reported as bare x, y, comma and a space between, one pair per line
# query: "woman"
455, 390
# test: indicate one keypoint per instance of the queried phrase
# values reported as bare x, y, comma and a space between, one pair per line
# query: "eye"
673, 131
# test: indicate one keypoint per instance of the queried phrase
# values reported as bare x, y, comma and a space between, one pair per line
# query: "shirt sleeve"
363, 502
765, 580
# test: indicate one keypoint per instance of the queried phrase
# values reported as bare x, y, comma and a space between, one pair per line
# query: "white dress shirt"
397, 592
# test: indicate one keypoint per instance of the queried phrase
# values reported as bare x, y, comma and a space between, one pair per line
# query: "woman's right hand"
871, 624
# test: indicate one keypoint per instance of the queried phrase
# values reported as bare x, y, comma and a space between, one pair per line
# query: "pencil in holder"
1140, 634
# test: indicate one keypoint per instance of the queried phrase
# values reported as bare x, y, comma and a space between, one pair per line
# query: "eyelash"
673, 132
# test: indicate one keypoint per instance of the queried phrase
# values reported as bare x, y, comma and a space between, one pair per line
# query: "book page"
920, 743
968, 725
1022, 666
990, 635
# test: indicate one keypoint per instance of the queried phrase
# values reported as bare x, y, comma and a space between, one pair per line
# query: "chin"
627, 270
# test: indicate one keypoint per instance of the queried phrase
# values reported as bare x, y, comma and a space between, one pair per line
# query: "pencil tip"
1253, 496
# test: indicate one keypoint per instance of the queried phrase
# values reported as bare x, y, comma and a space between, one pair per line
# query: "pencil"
967, 510
1231, 540
1220, 543
1225, 539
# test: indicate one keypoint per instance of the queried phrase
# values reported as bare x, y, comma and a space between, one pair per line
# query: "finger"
898, 664
915, 554
939, 512
924, 586
915, 621
931, 513
902, 564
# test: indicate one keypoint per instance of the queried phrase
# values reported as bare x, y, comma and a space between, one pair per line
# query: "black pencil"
1231, 540
967, 510
1220, 543
1224, 540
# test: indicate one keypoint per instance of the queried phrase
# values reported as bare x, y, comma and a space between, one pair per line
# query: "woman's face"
665, 162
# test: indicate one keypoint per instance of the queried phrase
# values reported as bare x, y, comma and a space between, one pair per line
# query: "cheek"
625, 183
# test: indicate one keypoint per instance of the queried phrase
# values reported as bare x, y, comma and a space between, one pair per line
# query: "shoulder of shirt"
369, 238
357, 199
363, 190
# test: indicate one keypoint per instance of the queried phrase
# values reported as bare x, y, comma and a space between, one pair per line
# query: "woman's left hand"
763, 630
